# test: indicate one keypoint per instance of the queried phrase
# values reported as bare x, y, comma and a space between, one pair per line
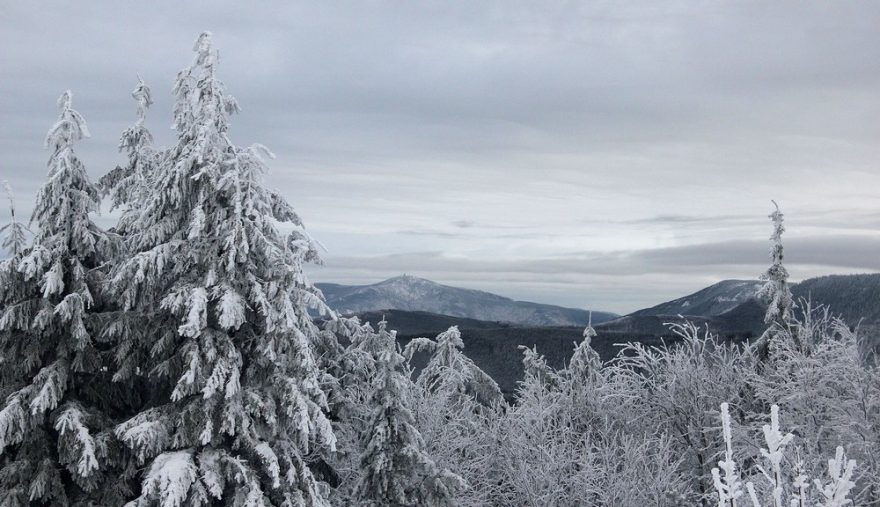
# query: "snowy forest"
176, 360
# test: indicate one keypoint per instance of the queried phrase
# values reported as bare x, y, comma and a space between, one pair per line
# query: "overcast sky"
602, 154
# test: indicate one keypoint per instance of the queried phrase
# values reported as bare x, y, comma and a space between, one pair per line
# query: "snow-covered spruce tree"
449, 373
128, 185
55, 436
395, 469
585, 365
14, 233
571, 385
218, 321
776, 291
355, 368
351, 372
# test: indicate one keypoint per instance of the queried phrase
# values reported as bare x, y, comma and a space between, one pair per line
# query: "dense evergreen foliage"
56, 421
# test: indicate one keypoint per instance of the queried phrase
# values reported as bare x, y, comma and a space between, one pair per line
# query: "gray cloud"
855, 252
463, 224
625, 134
691, 219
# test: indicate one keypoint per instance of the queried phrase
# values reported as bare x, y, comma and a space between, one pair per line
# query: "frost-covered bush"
829, 393
566, 441
675, 388
643, 429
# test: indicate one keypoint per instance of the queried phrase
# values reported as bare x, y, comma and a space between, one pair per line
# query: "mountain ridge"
731, 307
713, 300
410, 293
493, 345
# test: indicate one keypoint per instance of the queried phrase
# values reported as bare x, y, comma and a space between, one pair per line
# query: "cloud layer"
618, 145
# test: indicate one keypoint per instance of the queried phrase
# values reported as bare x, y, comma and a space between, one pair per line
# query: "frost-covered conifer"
449, 372
54, 436
537, 374
14, 233
128, 185
395, 470
454, 405
585, 363
352, 371
581, 385
776, 291
217, 321
356, 367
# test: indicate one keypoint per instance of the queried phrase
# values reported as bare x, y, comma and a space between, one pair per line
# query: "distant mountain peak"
412, 293
406, 279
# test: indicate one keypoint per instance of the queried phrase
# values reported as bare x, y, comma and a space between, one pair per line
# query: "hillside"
713, 300
408, 323
730, 308
853, 297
